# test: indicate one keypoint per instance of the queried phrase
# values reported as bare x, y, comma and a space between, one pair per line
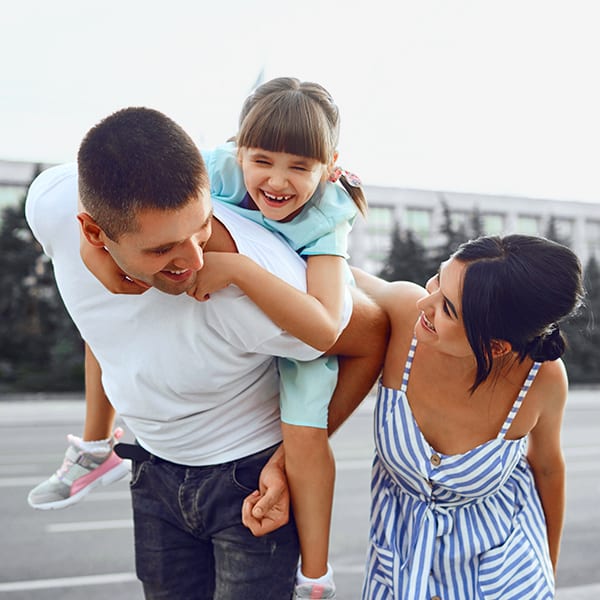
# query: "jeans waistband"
137, 453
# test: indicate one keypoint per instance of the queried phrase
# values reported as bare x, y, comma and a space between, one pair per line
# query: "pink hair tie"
351, 178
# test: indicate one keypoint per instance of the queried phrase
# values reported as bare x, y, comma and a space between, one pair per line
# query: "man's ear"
92, 232
500, 348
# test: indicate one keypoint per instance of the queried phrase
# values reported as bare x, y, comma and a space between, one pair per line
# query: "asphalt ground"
86, 551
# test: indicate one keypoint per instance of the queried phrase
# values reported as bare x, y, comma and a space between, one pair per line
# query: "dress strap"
517, 404
408, 364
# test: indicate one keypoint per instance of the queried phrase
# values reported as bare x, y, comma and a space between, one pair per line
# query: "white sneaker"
80, 472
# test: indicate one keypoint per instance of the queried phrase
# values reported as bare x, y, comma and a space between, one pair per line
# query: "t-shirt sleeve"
323, 227
334, 242
225, 174
49, 199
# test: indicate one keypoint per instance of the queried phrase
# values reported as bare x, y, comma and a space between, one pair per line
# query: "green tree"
552, 233
476, 224
407, 259
40, 349
452, 236
582, 357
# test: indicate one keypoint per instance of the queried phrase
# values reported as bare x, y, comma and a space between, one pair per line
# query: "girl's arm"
313, 317
545, 454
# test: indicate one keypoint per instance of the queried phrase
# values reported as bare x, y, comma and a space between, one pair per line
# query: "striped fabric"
452, 527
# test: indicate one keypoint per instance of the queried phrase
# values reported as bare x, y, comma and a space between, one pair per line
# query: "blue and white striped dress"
453, 527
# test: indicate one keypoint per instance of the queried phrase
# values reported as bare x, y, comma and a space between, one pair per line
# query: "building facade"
15, 177
422, 211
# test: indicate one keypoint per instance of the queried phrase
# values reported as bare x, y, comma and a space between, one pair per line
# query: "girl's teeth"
277, 198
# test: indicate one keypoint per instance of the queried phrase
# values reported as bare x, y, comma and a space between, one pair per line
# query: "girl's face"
279, 183
440, 323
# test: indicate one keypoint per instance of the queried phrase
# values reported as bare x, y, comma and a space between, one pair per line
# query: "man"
195, 382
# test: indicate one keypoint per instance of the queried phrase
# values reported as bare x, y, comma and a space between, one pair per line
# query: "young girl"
287, 150
468, 477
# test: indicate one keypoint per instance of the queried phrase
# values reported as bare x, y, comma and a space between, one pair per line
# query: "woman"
468, 477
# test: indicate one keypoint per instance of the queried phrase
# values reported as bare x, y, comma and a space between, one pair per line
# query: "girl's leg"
310, 469
99, 413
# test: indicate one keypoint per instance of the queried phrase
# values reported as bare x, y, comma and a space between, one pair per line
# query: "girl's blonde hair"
287, 115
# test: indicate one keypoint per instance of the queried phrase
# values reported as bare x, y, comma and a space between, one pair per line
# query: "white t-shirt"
195, 382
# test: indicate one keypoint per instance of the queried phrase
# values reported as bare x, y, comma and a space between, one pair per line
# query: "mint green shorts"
305, 389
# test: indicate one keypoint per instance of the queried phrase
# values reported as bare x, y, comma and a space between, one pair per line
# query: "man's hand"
268, 508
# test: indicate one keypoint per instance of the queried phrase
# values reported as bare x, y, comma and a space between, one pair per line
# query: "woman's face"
440, 323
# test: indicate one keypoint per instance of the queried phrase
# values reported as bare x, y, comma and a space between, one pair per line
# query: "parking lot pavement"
87, 551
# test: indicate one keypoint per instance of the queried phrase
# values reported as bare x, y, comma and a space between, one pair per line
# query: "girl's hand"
217, 273
100, 263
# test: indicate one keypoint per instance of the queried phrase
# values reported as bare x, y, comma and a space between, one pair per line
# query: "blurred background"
460, 117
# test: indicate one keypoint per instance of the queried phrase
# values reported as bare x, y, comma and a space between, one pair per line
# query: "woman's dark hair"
517, 288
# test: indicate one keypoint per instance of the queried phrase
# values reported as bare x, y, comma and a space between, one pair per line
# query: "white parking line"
89, 526
60, 582
20, 481
580, 592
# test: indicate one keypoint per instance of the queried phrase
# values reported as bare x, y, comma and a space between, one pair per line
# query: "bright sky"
490, 96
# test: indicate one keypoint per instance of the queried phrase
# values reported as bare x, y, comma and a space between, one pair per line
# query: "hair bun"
548, 346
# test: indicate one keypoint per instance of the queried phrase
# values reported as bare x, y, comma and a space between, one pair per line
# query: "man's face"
166, 251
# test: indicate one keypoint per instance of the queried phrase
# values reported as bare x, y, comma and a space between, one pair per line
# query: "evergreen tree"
407, 259
476, 224
453, 237
582, 357
552, 233
40, 349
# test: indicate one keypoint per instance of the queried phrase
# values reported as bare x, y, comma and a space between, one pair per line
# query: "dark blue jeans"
190, 543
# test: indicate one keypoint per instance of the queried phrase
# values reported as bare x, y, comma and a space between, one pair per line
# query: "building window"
565, 229
593, 238
459, 220
11, 195
418, 220
492, 224
528, 225
380, 226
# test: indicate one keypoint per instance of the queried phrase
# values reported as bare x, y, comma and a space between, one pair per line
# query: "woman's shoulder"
550, 388
552, 377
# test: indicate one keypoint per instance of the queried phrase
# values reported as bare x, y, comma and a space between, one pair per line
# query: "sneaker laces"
66, 465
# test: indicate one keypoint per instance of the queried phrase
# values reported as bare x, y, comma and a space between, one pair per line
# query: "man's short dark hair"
137, 158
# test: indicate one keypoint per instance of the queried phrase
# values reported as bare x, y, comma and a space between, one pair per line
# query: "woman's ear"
91, 231
500, 348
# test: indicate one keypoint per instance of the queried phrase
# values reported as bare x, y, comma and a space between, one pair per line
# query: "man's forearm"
361, 349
